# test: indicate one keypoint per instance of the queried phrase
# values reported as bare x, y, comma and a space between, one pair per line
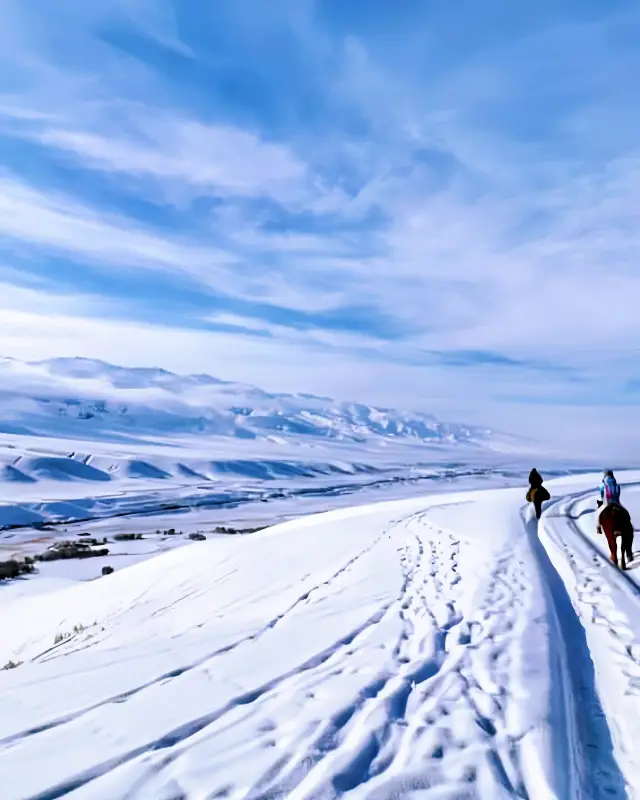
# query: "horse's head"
599, 503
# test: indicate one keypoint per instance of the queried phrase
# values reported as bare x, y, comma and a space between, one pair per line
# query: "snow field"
421, 648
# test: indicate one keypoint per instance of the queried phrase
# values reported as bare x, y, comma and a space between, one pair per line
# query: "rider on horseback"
609, 494
537, 493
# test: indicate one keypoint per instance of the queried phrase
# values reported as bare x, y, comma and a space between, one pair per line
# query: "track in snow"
603, 604
435, 715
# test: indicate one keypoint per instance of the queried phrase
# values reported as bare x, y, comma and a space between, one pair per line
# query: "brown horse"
615, 521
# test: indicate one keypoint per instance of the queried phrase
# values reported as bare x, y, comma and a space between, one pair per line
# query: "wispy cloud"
314, 182
222, 159
44, 220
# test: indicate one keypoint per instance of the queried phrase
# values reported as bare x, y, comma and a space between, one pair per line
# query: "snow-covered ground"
51, 480
445, 646
52, 488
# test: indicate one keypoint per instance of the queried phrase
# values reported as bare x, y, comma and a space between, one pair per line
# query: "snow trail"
606, 601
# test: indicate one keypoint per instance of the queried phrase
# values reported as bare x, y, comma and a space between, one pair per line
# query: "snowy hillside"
445, 647
89, 399
82, 440
49, 480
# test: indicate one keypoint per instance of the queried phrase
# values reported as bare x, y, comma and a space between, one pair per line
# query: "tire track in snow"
184, 732
438, 718
446, 699
304, 681
190, 729
179, 671
175, 740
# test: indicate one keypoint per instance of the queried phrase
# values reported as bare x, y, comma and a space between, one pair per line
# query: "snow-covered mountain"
92, 399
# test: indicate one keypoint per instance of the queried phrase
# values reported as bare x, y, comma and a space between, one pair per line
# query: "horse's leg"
623, 562
537, 503
613, 549
629, 544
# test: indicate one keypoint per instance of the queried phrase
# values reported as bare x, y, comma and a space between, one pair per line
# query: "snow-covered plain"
52, 488
446, 646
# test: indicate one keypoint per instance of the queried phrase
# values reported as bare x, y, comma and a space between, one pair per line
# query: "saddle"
625, 516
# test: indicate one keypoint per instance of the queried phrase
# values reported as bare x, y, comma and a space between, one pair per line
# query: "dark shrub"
9, 569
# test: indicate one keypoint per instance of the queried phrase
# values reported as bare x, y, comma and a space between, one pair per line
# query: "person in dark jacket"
537, 493
535, 479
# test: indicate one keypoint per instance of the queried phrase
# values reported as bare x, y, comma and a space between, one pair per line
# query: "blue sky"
417, 203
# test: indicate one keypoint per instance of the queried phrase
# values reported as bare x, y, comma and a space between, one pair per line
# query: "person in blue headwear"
609, 489
609, 493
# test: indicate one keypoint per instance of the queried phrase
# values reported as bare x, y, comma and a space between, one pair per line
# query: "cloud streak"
222, 159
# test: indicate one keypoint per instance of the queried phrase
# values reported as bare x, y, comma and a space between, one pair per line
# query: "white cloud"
37, 299
449, 271
156, 19
167, 148
310, 337
56, 222
35, 223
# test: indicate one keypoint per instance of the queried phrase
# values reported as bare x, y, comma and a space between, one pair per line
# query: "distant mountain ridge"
87, 397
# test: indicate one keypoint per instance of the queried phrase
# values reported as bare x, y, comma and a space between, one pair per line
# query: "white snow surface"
435, 647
